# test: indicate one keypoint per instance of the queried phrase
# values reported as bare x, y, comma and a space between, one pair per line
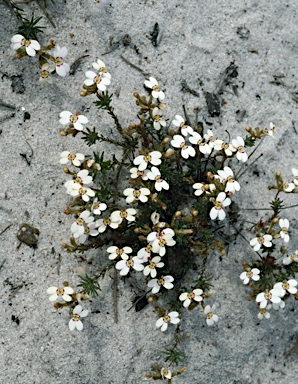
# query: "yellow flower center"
58, 61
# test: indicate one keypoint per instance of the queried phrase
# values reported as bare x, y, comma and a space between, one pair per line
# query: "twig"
76, 64
267, 209
186, 115
186, 88
139, 299
134, 66
59, 264
15, 290
2, 264
28, 161
38, 2
3, 104
5, 229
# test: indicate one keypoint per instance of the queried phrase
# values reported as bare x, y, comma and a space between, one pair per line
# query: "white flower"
226, 176
187, 297
75, 159
185, 129
252, 274
151, 268
166, 373
261, 240
145, 253
143, 160
100, 81
67, 117
217, 211
158, 121
289, 286
84, 192
186, 150
101, 67
128, 214
165, 281
264, 312
46, 69
78, 227
201, 188
56, 292
154, 174
284, 225
135, 194
271, 130
209, 138
98, 207
62, 69
288, 187
125, 265
116, 252
102, 224
75, 322
89, 229
197, 139
273, 295
18, 41
159, 240
172, 317
156, 92
153, 236
135, 173
228, 148
295, 173
239, 144
82, 179
292, 258
211, 318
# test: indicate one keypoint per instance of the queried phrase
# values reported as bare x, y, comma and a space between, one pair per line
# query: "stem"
115, 118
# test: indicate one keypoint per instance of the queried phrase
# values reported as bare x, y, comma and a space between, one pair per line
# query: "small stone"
28, 235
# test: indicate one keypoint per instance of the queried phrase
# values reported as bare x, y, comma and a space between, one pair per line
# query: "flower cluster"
268, 293
145, 223
52, 61
102, 78
78, 312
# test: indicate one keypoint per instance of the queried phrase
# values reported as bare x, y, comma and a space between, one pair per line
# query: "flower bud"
155, 217
169, 152
63, 133
97, 166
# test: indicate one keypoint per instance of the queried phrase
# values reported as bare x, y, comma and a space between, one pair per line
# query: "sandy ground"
197, 41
